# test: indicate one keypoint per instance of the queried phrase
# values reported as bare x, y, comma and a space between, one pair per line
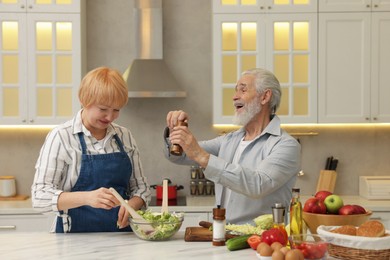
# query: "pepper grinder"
175, 148
219, 223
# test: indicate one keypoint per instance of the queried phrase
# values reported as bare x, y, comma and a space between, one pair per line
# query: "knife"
328, 163
333, 164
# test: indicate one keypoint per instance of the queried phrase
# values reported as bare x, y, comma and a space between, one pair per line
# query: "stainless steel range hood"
149, 76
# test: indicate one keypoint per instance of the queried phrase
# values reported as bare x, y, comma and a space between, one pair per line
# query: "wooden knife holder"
327, 180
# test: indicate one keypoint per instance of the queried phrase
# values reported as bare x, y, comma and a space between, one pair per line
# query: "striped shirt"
59, 162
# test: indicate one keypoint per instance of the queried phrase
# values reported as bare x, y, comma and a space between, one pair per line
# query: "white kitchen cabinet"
354, 61
40, 61
25, 223
382, 216
353, 5
264, 6
284, 43
192, 219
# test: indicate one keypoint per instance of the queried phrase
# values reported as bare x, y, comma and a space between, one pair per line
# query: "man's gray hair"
264, 80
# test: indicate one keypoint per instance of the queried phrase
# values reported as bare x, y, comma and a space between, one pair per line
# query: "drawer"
23, 223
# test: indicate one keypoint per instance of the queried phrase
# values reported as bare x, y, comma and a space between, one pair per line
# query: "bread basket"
356, 247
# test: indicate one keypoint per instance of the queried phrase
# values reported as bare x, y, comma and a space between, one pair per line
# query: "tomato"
273, 235
313, 251
254, 241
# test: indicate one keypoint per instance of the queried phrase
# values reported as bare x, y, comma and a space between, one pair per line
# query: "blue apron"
96, 171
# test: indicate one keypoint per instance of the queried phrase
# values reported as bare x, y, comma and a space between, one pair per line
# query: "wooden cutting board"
326, 180
200, 234
17, 197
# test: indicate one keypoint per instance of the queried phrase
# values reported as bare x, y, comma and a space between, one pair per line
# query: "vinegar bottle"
295, 213
278, 213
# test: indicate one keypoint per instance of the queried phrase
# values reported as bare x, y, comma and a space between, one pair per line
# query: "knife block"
326, 180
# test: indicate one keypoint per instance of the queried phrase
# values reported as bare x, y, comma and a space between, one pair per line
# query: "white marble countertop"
41, 245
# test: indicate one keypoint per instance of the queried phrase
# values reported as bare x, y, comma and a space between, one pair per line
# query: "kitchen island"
44, 245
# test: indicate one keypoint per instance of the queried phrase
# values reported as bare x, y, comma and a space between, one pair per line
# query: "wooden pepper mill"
175, 148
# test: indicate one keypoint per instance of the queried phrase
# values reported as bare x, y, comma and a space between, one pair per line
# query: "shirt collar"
78, 126
273, 128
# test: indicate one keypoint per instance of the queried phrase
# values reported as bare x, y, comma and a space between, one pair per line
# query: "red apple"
322, 194
347, 210
359, 209
314, 205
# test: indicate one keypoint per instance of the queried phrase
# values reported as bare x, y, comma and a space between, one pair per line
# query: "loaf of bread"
346, 230
371, 228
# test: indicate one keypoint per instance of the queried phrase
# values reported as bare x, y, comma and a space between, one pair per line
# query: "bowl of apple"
329, 209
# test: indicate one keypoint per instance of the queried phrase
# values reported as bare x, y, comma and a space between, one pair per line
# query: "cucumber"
237, 243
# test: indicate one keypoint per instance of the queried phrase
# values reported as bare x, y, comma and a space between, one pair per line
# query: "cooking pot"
172, 190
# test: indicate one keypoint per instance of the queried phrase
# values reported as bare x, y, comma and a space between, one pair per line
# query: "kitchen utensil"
146, 228
164, 207
326, 180
172, 190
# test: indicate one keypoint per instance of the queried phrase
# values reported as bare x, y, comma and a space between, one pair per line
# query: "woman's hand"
102, 198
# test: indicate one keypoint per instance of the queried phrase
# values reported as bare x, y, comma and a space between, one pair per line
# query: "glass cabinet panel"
10, 74
10, 102
229, 69
248, 36
64, 70
44, 102
64, 36
44, 32
229, 36
9, 35
227, 96
63, 99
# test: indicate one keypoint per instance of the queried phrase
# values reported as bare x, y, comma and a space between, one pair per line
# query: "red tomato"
273, 235
254, 241
313, 251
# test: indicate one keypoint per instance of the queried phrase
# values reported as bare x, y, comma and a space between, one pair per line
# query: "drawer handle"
7, 227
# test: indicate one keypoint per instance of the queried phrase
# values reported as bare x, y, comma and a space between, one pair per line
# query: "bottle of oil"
278, 213
296, 227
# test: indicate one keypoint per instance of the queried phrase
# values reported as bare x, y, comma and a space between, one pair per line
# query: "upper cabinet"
353, 5
264, 6
40, 60
354, 62
280, 40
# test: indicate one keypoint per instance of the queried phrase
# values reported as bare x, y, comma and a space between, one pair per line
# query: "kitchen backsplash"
187, 29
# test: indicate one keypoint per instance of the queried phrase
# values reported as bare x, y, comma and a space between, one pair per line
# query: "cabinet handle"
375, 118
31, 120
30, 6
376, 218
367, 118
22, 6
261, 7
375, 6
269, 7
368, 6
7, 227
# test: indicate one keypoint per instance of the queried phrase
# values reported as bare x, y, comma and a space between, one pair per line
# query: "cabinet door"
54, 67
13, 68
25, 223
192, 219
284, 44
380, 60
344, 5
291, 53
238, 45
344, 67
53, 6
264, 6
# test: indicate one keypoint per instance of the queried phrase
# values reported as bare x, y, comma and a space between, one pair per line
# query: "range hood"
148, 76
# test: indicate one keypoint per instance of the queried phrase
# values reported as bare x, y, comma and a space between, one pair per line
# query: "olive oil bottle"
296, 221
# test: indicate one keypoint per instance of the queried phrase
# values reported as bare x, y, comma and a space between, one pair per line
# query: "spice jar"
219, 223
175, 148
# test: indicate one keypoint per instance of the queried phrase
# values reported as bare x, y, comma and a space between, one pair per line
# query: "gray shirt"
264, 175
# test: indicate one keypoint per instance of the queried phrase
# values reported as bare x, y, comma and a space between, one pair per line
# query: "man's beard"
250, 110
